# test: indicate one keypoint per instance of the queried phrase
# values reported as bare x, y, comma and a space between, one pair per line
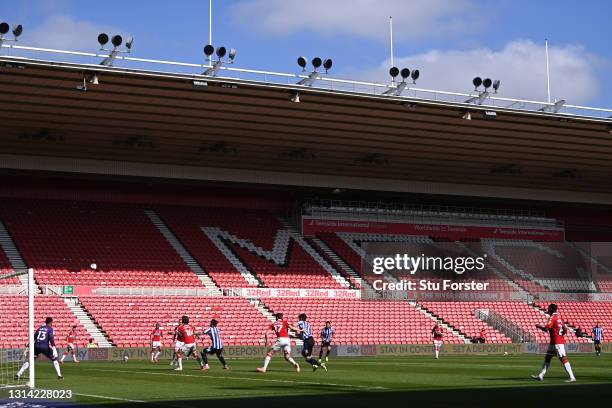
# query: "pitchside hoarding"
364, 350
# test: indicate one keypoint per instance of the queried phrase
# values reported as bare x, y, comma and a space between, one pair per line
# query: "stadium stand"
584, 314
253, 247
363, 322
5, 267
461, 316
258, 243
526, 316
129, 320
554, 266
61, 239
14, 320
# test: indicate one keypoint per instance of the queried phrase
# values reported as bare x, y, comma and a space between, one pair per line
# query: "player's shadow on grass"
554, 395
549, 380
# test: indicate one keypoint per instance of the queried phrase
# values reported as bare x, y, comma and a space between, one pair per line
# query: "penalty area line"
367, 387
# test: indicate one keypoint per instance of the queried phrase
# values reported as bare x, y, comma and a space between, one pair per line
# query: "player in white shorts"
156, 343
177, 343
71, 346
281, 328
436, 333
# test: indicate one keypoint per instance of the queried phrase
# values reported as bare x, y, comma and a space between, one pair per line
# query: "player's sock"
157, 355
545, 367
266, 362
222, 360
63, 357
57, 368
312, 361
437, 353
24, 367
179, 361
292, 361
152, 357
568, 369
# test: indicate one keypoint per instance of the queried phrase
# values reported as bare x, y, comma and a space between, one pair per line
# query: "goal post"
30, 354
13, 286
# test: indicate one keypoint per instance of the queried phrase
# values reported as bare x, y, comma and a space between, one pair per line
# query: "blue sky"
450, 41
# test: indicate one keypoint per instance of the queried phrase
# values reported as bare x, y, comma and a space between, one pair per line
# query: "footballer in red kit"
156, 343
177, 344
557, 329
436, 333
71, 346
281, 329
186, 334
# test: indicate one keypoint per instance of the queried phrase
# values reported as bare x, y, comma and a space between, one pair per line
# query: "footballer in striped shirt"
327, 335
598, 336
216, 346
305, 331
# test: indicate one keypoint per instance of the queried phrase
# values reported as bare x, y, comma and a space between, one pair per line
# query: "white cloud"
520, 65
64, 32
364, 18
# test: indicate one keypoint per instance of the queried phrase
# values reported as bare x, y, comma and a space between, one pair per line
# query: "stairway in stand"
84, 318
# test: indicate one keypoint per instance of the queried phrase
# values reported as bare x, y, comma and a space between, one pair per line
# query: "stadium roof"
150, 123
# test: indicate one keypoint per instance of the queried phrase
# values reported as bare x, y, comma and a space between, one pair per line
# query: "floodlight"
221, 51
487, 83
496, 85
209, 50
327, 64
477, 82
316, 62
129, 43
116, 40
102, 39
415, 74
232, 54
405, 73
4, 28
17, 31
302, 61
394, 71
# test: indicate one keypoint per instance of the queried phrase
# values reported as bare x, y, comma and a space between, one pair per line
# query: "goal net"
17, 292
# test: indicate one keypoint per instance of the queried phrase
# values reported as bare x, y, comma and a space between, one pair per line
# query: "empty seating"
129, 320
363, 322
585, 314
555, 266
5, 267
14, 320
461, 316
259, 242
61, 239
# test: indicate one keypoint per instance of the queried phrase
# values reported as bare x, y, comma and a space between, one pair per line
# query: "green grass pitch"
457, 381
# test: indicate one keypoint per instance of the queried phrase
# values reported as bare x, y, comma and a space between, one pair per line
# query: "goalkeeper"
44, 343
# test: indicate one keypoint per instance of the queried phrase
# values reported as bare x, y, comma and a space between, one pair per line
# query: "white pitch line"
244, 378
107, 397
